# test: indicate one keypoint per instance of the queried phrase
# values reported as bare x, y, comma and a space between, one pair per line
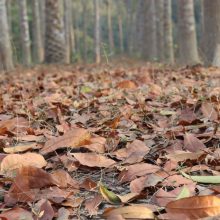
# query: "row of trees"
63, 31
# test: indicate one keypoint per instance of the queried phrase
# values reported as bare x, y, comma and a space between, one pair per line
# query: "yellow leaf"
108, 195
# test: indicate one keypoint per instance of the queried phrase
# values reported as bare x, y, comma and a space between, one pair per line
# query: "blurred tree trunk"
85, 25
168, 33
119, 9
140, 25
55, 49
160, 28
42, 21
211, 29
24, 33
72, 33
97, 33
130, 25
149, 49
110, 31
8, 5
6, 61
67, 27
188, 49
121, 36
37, 36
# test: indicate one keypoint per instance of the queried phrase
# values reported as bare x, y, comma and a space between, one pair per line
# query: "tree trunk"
187, 33
24, 33
55, 49
42, 22
85, 24
121, 35
110, 31
168, 33
8, 6
37, 36
67, 26
6, 61
97, 32
150, 36
160, 28
211, 32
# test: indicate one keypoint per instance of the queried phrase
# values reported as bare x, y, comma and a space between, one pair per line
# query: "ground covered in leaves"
122, 142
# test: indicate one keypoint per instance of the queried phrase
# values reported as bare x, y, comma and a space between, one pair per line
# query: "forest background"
65, 31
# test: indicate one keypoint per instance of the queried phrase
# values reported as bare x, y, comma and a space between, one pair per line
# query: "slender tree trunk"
187, 33
211, 32
55, 49
168, 33
37, 36
160, 28
150, 37
121, 35
42, 22
6, 61
24, 33
110, 31
67, 26
97, 33
72, 33
8, 5
85, 25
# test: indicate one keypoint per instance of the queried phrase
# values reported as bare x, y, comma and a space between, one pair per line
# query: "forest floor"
147, 133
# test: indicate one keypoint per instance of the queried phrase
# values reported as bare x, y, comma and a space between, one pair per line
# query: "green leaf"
167, 112
203, 179
108, 195
86, 89
184, 193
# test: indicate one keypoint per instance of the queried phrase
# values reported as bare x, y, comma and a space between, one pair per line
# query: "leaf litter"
149, 135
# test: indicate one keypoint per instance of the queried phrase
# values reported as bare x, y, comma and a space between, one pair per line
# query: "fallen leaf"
73, 138
15, 161
136, 148
45, 209
203, 179
137, 170
130, 212
195, 207
91, 205
16, 214
126, 84
20, 148
93, 160
192, 143
64, 180
108, 195
28, 182
208, 111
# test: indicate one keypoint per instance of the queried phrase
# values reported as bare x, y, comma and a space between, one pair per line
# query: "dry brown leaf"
91, 205
195, 207
20, 148
181, 156
192, 143
208, 111
16, 214
93, 160
137, 170
17, 124
137, 149
73, 138
28, 182
64, 180
14, 161
130, 212
126, 84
